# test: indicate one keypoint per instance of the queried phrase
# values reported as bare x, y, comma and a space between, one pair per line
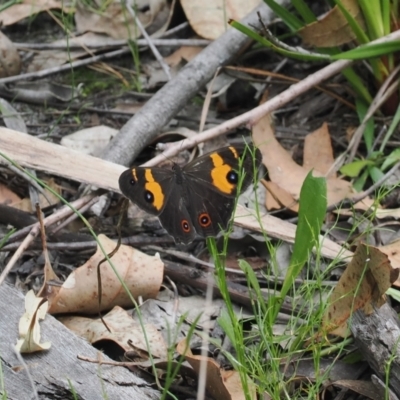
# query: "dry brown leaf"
26, 9
143, 275
392, 250
333, 29
123, 329
221, 384
318, 152
116, 22
45, 200
10, 61
362, 286
184, 53
209, 18
29, 328
278, 198
284, 171
7, 196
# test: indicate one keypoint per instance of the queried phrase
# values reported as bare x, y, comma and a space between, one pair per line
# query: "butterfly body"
197, 199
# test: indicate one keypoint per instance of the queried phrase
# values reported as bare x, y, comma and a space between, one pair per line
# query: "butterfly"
197, 199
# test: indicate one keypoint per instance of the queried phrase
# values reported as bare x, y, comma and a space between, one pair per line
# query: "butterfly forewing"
149, 188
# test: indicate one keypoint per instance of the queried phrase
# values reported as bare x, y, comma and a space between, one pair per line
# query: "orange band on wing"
220, 172
155, 189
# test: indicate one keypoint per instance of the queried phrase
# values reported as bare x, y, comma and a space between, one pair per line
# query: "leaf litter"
72, 286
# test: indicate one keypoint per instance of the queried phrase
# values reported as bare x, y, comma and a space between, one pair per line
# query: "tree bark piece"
172, 97
378, 338
51, 370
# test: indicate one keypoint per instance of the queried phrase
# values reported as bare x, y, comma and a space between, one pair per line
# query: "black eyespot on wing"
185, 226
148, 196
232, 177
204, 220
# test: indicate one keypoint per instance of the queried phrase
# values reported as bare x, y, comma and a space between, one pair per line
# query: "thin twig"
65, 67
153, 48
114, 43
365, 193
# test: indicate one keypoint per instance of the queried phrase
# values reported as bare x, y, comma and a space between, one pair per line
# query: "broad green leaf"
312, 209
359, 183
391, 159
354, 168
375, 173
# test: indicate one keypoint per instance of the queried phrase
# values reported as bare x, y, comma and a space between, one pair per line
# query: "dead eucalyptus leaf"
29, 328
221, 384
333, 29
123, 330
362, 286
143, 275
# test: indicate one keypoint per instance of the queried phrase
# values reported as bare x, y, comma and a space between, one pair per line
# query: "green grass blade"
354, 25
373, 17
369, 131
392, 127
305, 11
357, 84
293, 23
265, 42
369, 51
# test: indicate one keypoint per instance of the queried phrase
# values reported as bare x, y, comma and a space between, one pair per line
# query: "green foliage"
258, 354
378, 18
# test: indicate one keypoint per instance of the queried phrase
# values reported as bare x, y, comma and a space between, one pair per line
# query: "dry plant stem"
153, 48
65, 67
170, 99
74, 216
61, 213
383, 94
385, 91
112, 44
370, 190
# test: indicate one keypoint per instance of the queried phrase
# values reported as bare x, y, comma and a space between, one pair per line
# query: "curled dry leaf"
318, 151
10, 61
221, 384
46, 198
142, 274
209, 18
362, 286
333, 29
25, 9
29, 328
392, 250
118, 23
284, 171
123, 329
